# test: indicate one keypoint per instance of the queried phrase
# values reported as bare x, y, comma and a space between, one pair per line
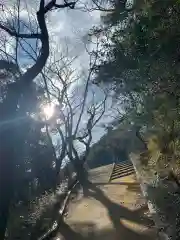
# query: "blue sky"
67, 29
70, 28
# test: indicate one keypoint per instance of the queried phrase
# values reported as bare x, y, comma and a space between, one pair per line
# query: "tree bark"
8, 129
82, 176
7, 157
6, 181
15, 95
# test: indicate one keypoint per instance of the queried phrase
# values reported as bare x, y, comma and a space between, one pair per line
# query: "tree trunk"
8, 130
82, 176
6, 178
6, 194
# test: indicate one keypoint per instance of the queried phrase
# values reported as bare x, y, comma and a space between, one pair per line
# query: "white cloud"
66, 27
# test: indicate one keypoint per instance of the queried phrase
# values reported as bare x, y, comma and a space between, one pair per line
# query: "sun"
48, 110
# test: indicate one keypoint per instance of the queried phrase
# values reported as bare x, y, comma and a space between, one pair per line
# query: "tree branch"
33, 71
85, 94
19, 35
102, 9
70, 5
63, 151
53, 3
8, 66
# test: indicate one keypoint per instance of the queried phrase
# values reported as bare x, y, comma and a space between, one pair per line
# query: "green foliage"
142, 64
114, 146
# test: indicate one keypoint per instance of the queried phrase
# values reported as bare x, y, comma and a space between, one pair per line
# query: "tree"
147, 71
17, 92
72, 110
139, 58
33, 153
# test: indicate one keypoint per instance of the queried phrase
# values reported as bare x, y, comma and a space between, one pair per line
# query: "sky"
67, 29
70, 27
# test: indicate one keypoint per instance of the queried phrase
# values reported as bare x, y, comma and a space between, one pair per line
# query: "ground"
113, 210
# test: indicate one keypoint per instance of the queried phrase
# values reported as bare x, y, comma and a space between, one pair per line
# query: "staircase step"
122, 168
123, 164
122, 171
122, 175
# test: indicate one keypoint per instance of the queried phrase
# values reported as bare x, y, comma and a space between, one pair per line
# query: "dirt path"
112, 211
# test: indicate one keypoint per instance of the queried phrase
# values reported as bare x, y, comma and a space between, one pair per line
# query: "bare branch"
91, 69
19, 35
100, 8
70, 5
103, 111
52, 4
32, 72
63, 151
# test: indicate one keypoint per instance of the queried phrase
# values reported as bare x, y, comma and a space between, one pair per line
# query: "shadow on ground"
117, 214
88, 231
130, 186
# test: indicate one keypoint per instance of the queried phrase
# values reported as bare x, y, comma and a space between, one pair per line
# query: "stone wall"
163, 197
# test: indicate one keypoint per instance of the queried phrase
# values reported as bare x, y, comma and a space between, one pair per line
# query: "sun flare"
48, 110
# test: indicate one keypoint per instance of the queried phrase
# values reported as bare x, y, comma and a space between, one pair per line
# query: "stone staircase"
121, 170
